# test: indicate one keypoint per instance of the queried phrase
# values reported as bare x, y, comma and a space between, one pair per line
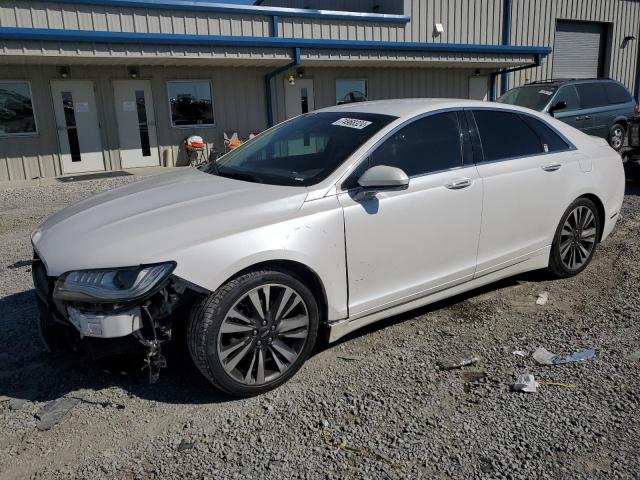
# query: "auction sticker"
351, 123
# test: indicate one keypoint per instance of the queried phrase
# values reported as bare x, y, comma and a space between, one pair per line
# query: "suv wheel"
616, 136
255, 332
575, 240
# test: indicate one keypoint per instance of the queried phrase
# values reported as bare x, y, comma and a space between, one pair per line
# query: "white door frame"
154, 158
289, 112
94, 160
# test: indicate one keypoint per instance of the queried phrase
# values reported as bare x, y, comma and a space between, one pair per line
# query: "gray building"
91, 85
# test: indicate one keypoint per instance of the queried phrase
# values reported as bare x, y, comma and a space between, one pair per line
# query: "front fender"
314, 238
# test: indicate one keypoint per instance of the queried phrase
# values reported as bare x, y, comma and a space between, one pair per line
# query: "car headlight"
111, 285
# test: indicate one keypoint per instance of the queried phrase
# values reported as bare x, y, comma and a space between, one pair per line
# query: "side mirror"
561, 105
383, 178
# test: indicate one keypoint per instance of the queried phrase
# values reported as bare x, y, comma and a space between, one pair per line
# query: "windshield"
302, 151
535, 97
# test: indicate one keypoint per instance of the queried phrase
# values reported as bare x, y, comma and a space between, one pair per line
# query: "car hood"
151, 220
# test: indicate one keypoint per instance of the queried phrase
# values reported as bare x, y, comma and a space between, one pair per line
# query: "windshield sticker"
351, 123
545, 92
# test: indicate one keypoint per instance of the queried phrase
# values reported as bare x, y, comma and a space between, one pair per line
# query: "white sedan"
331, 220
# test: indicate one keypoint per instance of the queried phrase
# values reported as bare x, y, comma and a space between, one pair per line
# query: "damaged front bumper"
143, 324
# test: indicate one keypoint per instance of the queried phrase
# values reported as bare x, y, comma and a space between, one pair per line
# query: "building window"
16, 109
191, 103
349, 90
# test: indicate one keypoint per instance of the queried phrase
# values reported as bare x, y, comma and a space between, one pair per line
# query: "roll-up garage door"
579, 50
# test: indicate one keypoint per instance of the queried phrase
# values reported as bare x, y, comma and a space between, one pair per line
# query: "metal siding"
464, 21
388, 6
34, 155
239, 105
535, 24
20, 13
383, 83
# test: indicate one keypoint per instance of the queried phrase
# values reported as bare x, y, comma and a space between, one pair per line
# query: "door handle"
551, 167
579, 118
587, 117
459, 183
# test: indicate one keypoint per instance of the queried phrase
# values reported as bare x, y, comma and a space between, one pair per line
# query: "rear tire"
255, 332
575, 240
616, 137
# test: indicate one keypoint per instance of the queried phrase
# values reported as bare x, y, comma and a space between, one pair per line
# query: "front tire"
255, 332
616, 136
575, 239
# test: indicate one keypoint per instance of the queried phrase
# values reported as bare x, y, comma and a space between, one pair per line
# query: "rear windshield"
302, 151
535, 97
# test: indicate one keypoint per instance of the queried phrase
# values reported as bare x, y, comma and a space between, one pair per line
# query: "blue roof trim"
91, 36
246, 9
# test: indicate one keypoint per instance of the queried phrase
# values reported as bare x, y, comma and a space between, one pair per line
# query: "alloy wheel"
263, 334
578, 237
617, 138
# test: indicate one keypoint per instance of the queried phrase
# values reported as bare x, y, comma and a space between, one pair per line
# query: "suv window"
617, 93
505, 135
551, 141
429, 144
568, 94
592, 95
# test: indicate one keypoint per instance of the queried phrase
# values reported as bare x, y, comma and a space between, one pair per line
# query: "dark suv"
599, 107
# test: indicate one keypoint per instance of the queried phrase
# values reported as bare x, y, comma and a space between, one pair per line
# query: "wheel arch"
600, 208
622, 120
305, 273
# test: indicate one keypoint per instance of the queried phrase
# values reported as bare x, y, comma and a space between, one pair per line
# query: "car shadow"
31, 373
632, 187
534, 276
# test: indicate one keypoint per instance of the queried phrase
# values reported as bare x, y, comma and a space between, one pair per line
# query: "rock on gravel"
390, 413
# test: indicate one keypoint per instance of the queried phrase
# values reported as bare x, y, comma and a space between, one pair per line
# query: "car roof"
410, 107
562, 81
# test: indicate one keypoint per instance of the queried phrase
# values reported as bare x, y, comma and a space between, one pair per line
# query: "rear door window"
592, 95
551, 141
505, 135
617, 93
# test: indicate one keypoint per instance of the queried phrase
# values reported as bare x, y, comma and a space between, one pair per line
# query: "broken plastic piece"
544, 357
458, 362
543, 298
520, 353
525, 383
576, 357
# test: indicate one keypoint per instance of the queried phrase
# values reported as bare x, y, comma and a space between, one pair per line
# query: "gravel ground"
372, 406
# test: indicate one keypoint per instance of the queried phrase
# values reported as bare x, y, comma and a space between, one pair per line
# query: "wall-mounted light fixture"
133, 72
64, 72
438, 29
291, 79
300, 72
628, 38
